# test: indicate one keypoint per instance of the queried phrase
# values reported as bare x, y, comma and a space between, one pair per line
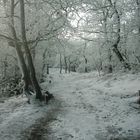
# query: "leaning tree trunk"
28, 54
23, 67
115, 45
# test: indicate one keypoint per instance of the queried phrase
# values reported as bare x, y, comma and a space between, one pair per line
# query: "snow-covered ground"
86, 107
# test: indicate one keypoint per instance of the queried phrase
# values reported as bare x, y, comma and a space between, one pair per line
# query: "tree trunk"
48, 69
138, 24
74, 68
23, 67
5, 67
60, 63
110, 69
138, 14
85, 64
28, 54
33, 52
66, 65
44, 63
69, 67
101, 62
115, 45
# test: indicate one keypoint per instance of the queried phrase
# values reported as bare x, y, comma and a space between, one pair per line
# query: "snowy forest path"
86, 107
77, 116
87, 111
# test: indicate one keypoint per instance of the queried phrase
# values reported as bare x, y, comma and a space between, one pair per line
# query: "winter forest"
69, 69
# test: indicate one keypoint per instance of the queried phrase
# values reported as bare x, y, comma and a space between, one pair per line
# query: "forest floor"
86, 107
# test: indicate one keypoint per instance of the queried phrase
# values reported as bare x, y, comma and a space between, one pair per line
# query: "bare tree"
23, 67
116, 43
28, 54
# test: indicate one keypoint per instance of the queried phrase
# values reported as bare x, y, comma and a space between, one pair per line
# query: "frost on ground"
16, 115
86, 107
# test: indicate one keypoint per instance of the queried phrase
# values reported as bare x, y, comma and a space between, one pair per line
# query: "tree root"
47, 96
